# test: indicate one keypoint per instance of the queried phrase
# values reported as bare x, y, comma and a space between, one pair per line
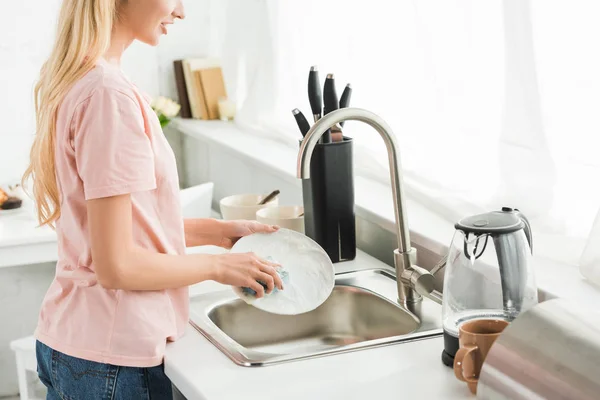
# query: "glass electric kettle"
488, 272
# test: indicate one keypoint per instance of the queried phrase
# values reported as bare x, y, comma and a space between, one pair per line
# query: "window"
494, 103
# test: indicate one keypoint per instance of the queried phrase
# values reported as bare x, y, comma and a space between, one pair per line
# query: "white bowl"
243, 206
283, 216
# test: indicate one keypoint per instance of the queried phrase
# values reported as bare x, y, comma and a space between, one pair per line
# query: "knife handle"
330, 103
345, 99
301, 121
315, 97
330, 98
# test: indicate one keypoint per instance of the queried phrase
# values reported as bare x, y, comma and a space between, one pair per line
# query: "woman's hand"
246, 270
235, 230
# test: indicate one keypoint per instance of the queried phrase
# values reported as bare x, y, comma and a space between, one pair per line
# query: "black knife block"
329, 200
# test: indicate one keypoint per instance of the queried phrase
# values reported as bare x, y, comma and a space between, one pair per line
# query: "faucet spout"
405, 255
357, 114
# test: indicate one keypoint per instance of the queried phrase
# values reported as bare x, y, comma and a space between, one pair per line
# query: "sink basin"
361, 312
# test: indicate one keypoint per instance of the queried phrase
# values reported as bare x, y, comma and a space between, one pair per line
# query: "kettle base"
447, 359
451, 346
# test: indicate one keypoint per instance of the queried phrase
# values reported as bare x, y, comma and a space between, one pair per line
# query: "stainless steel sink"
362, 312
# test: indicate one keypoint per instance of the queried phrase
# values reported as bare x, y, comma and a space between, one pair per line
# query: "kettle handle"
527, 228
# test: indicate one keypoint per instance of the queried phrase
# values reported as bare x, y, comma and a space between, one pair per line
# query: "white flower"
159, 103
166, 107
171, 109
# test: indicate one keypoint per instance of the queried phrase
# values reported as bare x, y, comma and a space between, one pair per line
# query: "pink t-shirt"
109, 142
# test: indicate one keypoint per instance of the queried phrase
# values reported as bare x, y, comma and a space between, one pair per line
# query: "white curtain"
494, 102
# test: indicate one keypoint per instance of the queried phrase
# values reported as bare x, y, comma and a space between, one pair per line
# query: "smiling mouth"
163, 27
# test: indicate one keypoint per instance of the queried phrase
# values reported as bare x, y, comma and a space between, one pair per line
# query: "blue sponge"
283, 274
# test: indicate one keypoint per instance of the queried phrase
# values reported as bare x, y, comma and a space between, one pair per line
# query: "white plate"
311, 274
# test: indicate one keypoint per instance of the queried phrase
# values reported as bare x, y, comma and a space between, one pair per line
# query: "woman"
105, 177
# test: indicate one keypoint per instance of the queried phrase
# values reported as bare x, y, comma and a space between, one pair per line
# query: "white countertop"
412, 370
22, 242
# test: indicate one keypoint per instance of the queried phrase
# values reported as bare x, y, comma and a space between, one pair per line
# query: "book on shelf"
182, 95
204, 85
213, 88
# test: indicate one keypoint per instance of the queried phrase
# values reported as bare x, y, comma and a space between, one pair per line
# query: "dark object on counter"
451, 346
301, 121
345, 99
11, 203
330, 98
269, 197
329, 200
182, 93
315, 97
330, 103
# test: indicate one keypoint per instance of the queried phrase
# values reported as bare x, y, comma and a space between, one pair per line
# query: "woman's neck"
121, 39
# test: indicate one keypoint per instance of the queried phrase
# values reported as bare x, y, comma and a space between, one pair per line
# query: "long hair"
83, 35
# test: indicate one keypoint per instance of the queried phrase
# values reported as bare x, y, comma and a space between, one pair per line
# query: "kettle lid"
495, 222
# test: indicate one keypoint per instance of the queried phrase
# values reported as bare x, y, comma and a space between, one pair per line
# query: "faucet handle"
419, 279
422, 281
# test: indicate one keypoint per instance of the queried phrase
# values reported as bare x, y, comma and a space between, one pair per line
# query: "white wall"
188, 38
26, 35
25, 39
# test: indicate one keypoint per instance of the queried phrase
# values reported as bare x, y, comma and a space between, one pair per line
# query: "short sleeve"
113, 152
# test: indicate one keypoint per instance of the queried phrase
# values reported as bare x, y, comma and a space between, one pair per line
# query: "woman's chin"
151, 40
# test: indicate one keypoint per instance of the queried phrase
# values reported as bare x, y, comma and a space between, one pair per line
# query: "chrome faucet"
412, 281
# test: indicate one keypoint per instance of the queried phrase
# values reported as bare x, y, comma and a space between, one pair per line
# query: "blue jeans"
71, 378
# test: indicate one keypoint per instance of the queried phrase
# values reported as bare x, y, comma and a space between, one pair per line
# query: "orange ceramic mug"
475, 339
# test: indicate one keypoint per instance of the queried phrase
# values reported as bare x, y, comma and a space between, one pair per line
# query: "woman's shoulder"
101, 80
101, 85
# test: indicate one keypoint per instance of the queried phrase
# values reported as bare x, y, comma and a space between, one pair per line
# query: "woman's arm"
120, 264
201, 232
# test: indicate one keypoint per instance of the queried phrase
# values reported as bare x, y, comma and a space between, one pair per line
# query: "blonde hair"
83, 35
